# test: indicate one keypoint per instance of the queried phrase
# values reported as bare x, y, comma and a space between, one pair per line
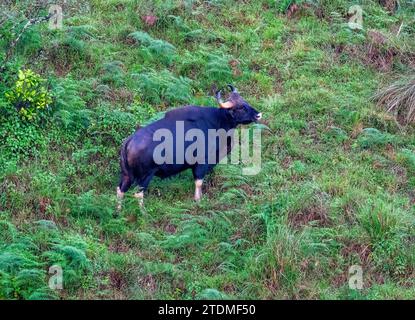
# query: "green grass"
335, 189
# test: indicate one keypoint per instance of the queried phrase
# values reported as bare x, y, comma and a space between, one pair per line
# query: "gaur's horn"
233, 89
218, 96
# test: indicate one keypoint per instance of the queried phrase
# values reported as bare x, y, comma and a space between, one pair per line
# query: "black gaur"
182, 140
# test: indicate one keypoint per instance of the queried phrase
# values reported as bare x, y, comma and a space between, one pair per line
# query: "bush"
29, 96
19, 138
371, 138
111, 125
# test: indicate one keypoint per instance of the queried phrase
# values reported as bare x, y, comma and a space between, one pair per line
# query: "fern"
179, 23
161, 47
27, 279
192, 234
283, 5
407, 158
70, 102
70, 94
73, 261
10, 261
141, 37
113, 73
43, 293
218, 69
46, 224
158, 49
20, 271
6, 285
187, 33
69, 48
157, 87
111, 124
7, 232
114, 67
91, 205
75, 257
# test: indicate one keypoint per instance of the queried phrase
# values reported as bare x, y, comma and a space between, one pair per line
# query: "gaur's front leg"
199, 173
120, 196
140, 197
198, 189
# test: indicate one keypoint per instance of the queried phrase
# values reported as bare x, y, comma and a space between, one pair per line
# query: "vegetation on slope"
336, 187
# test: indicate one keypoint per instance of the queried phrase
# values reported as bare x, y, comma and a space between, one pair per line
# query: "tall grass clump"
399, 99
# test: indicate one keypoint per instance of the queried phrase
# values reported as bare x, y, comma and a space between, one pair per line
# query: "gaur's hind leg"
142, 187
124, 185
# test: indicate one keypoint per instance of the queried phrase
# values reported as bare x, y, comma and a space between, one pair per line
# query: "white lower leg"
140, 197
198, 189
120, 196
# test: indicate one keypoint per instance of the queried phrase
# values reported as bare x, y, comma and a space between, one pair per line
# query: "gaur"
140, 152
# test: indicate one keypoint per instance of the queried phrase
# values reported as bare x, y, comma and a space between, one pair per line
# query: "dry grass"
399, 99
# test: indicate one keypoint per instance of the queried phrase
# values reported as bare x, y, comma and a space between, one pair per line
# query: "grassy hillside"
337, 183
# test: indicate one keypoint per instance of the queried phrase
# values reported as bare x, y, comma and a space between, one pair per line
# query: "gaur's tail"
125, 169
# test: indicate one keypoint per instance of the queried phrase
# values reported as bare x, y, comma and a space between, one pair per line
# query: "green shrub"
111, 123
19, 138
29, 96
371, 138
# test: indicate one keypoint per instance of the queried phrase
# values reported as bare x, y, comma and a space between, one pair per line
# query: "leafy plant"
29, 95
19, 138
111, 123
